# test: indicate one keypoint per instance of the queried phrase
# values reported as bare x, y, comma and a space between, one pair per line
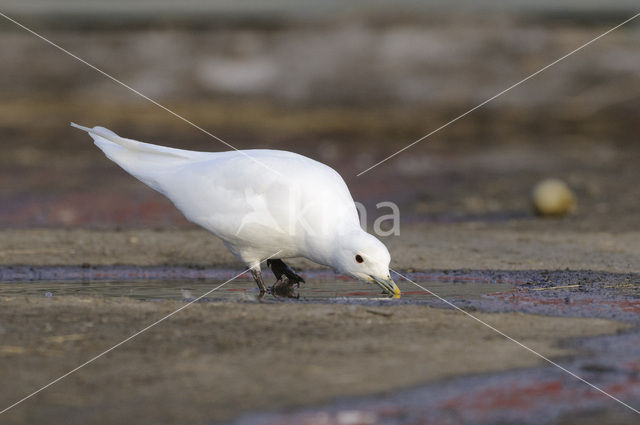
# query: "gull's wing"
254, 198
246, 202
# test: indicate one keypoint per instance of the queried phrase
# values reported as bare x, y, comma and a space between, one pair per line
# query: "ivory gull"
260, 202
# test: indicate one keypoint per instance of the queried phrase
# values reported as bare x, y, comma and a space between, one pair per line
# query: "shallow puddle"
189, 289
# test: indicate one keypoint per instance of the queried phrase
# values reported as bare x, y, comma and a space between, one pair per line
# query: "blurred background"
346, 83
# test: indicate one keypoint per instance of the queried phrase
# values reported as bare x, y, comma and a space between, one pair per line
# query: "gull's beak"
387, 285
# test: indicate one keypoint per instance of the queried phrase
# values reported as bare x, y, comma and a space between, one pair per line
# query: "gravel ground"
347, 92
214, 361
530, 245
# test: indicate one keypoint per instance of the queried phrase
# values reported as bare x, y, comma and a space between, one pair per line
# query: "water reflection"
242, 290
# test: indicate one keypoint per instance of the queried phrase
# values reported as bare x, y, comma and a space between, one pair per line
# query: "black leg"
257, 276
280, 269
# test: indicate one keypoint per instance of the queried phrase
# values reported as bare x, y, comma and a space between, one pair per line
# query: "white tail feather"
149, 163
134, 145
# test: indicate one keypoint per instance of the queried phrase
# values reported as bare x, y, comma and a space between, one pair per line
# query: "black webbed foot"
284, 288
284, 273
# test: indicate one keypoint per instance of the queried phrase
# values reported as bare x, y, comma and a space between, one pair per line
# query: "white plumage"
259, 202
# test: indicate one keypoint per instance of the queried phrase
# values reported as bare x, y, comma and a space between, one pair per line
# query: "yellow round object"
553, 197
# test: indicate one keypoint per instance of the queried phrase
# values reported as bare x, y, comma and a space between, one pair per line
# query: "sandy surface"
516, 246
212, 361
347, 93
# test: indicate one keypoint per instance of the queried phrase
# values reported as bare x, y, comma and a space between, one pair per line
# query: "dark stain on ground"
530, 396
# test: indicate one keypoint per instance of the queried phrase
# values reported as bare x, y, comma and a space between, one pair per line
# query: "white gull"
260, 202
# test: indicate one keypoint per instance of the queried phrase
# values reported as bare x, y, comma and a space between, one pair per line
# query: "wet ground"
244, 288
89, 256
356, 356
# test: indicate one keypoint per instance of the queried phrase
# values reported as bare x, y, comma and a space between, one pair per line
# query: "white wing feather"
236, 195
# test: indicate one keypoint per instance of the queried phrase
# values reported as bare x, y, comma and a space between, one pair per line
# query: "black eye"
359, 259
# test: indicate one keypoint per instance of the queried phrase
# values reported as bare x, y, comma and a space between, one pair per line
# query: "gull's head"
362, 256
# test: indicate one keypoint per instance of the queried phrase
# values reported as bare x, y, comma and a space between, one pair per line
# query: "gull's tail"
148, 163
